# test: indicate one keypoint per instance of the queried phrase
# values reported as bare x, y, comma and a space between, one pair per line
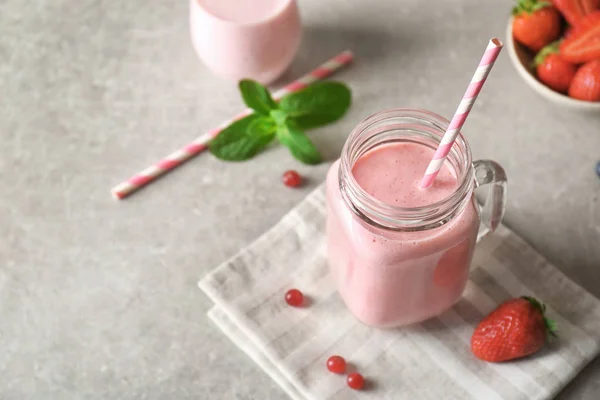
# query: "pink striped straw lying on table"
178, 157
484, 68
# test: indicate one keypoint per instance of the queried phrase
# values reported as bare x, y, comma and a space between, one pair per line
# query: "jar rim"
396, 217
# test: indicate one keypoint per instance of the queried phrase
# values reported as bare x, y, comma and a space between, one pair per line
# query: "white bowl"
522, 61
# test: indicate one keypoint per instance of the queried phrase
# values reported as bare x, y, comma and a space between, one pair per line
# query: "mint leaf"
299, 144
257, 97
319, 104
236, 143
279, 116
316, 105
262, 126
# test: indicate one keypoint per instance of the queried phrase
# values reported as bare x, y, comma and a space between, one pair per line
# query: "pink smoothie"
390, 278
239, 39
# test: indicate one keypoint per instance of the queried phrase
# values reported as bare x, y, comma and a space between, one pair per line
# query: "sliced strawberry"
586, 82
583, 42
589, 6
590, 20
575, 10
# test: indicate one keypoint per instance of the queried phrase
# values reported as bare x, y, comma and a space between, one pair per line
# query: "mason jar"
398, 265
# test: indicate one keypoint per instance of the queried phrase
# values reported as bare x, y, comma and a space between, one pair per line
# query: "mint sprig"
317, 105
257, 97
236, 143
299, 144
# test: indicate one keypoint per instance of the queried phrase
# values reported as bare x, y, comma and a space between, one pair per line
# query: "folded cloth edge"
234, 333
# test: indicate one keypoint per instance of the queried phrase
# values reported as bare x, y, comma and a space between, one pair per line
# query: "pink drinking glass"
239, 39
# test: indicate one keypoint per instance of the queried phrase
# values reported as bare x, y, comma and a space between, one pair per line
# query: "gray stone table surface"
98, 298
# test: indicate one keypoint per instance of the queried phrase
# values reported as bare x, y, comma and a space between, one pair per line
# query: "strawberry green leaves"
317, 105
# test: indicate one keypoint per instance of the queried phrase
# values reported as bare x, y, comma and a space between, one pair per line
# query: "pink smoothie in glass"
239, 39
390, 278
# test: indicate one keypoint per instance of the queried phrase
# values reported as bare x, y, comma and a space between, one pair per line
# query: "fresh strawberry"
536, 23
552, 70
575, 10
517, 328
586, 82
583, 41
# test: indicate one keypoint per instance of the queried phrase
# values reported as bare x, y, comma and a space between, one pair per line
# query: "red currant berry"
355, 381
291, 179
336, 364
294, 298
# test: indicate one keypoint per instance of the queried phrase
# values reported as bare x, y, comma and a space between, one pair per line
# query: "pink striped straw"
481, 73
178, 157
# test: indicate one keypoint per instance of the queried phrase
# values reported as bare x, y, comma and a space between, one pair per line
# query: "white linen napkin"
431, 360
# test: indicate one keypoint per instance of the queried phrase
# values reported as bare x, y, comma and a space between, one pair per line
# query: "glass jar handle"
491, 175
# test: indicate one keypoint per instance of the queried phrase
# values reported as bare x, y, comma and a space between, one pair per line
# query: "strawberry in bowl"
586, 82
550, 42
575, 10
553, 70
583, 42
536, 23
